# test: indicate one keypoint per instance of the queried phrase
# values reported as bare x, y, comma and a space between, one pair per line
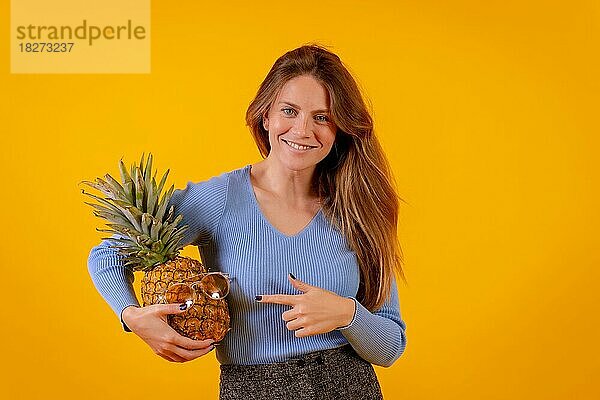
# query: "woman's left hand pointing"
314, 311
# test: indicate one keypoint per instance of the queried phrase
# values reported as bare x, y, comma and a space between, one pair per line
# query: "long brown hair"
354, 181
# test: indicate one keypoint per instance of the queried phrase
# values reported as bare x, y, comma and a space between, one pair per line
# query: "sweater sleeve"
201, 205
379, 337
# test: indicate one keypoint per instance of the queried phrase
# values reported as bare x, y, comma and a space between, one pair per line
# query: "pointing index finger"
287, 299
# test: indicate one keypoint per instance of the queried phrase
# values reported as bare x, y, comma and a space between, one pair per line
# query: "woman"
308, 235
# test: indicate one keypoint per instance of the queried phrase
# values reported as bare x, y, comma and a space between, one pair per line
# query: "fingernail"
292, 275
258, 298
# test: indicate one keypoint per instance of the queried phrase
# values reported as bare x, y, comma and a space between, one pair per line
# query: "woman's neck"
294, 188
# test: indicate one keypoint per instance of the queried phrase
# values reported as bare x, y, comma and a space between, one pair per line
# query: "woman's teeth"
297, 146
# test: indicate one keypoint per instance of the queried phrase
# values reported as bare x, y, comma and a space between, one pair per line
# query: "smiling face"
301, 132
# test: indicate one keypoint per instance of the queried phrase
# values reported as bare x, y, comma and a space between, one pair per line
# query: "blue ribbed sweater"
233, 236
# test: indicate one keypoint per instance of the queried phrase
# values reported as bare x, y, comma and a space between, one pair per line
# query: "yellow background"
487, 110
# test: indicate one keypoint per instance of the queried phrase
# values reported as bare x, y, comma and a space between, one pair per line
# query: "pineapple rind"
207, 318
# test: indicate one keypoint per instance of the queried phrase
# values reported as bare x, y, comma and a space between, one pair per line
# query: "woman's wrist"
126, 313
349, 309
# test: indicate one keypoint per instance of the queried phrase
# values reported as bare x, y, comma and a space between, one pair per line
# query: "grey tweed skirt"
337, 373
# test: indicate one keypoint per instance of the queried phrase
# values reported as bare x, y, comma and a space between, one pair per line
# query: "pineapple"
149, 241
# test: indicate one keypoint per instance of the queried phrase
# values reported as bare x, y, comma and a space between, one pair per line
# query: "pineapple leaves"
115, 187
151, 197
128, 211
138, 180
110, 212
155, 229
108, 204
148, 171
128, 185
125, 177
137, 211
164, 202
101, 186
146, 221
162, 183
142, 162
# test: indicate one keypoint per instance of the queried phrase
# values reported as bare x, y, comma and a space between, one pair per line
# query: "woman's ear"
265, 122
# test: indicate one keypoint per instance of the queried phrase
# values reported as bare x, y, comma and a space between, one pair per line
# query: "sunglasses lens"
179, 293
215, 286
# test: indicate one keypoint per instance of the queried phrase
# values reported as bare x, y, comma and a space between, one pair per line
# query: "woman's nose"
302, 126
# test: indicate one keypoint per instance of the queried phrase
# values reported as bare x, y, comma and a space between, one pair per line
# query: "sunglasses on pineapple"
214, 285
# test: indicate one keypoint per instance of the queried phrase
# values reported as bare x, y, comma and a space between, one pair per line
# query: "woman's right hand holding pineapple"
150, 324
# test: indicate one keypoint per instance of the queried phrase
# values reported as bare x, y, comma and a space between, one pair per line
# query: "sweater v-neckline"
254, 201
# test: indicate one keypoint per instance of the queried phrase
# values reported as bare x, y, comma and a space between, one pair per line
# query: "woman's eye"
288, 111
322, 118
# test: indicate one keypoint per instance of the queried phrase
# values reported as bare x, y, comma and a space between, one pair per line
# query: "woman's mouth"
297, 146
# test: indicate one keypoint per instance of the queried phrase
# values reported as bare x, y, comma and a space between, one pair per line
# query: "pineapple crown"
136, 216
